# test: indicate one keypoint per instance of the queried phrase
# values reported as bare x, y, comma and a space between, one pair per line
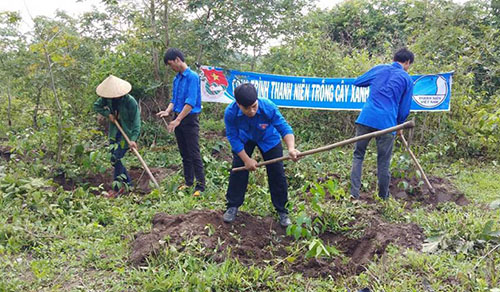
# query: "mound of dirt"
445, 191
139, 177
247, 237
377, 236
261, 241
415, 191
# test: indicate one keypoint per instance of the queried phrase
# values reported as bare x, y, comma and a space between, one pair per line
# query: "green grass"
54, 240
481, 184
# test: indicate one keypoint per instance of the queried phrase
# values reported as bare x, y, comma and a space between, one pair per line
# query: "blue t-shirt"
264, 128
186, 90
391, 91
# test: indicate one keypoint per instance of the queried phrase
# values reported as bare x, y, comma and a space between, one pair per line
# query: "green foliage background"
341, 42
51, 239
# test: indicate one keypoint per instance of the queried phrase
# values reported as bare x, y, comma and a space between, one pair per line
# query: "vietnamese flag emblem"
215, 76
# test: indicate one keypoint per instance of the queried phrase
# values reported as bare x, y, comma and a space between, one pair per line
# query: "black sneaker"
230, 214
284, 220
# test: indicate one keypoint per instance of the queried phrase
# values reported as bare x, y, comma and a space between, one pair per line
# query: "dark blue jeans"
278, 187
118, 149
384, 153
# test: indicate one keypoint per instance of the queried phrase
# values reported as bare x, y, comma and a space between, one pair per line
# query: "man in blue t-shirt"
186, 106
253, 122
391, 91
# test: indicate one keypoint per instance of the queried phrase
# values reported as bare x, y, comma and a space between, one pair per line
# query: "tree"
11, 46
229, 28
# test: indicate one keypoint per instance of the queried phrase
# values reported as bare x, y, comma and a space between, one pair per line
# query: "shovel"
406, 125
407, 146
137, 154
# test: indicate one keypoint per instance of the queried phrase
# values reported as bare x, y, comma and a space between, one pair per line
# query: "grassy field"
57, 240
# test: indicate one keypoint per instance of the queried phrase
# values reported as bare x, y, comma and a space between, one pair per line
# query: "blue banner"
430, 93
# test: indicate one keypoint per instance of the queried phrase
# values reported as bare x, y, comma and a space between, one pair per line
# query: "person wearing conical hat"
116, 104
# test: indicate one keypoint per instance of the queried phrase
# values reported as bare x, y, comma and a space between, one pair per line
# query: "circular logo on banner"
213, 91
429, 91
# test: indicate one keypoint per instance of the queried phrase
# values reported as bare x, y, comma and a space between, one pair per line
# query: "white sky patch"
327, 4
32, 8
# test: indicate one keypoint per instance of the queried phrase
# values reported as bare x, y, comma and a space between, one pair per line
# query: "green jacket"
129, 116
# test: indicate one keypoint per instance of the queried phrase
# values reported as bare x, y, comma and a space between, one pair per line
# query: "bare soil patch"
140, 179
222, 154
261, 241
374, 241
213, 135
417, 192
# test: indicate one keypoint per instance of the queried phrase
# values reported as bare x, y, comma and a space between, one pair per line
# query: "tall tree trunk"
154, 51
254, 59
200, 52
166, 27
58, 103
10, 105
37, 106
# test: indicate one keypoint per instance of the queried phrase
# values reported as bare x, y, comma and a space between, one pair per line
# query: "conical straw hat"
113, 87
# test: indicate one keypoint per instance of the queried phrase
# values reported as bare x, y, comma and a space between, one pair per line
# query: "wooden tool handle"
406, 125
414, 158
137, 154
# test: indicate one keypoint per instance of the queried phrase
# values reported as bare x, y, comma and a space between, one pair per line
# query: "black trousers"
187, 136
238, 181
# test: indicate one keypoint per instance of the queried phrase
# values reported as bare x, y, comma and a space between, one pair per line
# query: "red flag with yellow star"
215, 76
